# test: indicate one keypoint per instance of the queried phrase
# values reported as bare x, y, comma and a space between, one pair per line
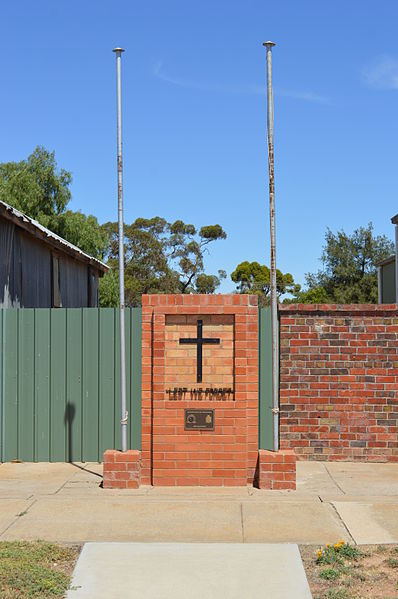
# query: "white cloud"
253, 90
304, 95
205, 86
382, 73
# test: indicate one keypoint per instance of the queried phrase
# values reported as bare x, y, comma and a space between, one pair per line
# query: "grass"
336, 594
36, 569
392, 562
329, 574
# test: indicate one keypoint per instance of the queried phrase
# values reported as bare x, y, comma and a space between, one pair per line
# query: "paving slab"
189, 571
359, 498
120, 518
370, 523
355, 478
312, 477
12, 510
25, 480
292, 522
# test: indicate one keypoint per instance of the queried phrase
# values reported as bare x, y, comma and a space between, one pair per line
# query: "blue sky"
194, 112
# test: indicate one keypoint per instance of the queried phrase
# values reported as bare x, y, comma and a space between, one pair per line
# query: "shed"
386, 280
39, 269
387, 273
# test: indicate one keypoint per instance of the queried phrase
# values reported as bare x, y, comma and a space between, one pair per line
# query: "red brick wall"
171, 455
339, 381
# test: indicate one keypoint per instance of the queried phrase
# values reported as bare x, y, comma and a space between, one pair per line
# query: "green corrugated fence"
265, 431
60, 383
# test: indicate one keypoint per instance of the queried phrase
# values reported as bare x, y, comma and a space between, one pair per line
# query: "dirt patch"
370, 574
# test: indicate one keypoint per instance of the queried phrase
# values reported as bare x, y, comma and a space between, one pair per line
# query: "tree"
40, 189
109, 290
185, 253
162, 257
315, 295
252, 277
209, 283
349, 274
84, 232
36, 186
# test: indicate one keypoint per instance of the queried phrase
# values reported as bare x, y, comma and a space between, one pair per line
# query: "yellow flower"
320, 553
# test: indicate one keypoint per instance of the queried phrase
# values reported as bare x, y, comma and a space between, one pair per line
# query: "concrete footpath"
65, 503
189, 571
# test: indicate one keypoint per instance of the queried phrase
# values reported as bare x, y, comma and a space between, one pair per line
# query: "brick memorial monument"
199, 399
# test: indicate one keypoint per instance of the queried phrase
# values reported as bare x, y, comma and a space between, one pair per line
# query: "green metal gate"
60, 383
265, 429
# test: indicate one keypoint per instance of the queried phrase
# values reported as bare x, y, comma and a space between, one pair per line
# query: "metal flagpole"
124, 418
274, 305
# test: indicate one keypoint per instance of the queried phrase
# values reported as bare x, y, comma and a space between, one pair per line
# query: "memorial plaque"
199, 358
199, 420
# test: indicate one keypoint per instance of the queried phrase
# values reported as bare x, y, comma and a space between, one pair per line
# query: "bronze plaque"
202, 420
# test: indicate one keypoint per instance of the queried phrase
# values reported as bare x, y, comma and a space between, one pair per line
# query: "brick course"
339, 381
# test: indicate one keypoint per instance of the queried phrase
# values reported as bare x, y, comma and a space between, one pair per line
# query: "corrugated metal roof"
386, 261
45, 234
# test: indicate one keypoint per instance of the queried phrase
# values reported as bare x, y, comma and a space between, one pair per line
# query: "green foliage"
37, 569
357, 571
36, 186
84, 232
349, 274
337, 594
109, 290
329, 574
317, 295
330, 557
252, 277
161, 257
349, 552
209, 283
185, 249
338, 557
337, 553
40, 189
392, 562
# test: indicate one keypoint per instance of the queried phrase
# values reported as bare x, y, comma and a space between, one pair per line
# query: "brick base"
277, 469
122, 470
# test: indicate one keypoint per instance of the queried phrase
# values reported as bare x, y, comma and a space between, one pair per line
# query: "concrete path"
189, 571
64, 503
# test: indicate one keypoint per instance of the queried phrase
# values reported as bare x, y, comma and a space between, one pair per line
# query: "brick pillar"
277, 469
172, 455
122, 470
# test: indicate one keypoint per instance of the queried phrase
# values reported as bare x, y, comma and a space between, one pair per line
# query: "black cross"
199, 341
